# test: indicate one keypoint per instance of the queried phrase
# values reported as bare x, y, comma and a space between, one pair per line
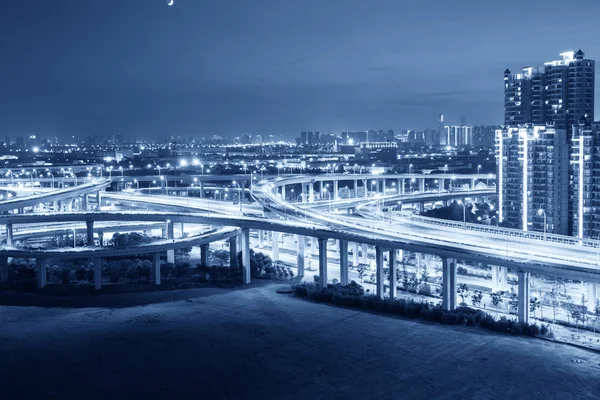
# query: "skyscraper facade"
533, 178
561, 92
585, 180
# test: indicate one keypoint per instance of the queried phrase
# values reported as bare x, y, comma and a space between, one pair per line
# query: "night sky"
271, 66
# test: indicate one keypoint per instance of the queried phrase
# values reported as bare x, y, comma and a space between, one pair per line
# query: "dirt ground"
253, 343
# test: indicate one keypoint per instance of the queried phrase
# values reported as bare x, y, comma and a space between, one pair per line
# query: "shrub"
462, 271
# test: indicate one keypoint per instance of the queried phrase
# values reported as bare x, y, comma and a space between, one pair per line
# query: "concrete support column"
182, 229
523, 296
283, 192
201, 190
261, 239
245, 244
343, 262
495, 286
55, 206
157, 268
300, 254
448, 283
356, 188
9, 235
422, 185
275, 246
393, 273
366, 188
442, 185
204, 254
336, 194
97, 273
70, 205
85, 203
355, 255
169, 232
503, 278
3, 269
233, 252
322, 261
402, 183
90, 232
381, 186
365, 251
592, 296
303, 191
311, 192
379, 271
41, 273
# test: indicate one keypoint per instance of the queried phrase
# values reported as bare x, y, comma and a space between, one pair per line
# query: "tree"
463, 292
476, 298
496, 298
554, 302
584, 310
513, 301
361, 273
405, 278
220, 257
534, 304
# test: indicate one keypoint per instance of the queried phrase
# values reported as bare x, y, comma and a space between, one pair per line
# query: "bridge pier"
379, 271
336, 190
157, 268
592, 295
245, 244
169, 233
9, 235
393, 273
355, 188
303, 191
366, 188
343, 244
42, 277
311, 192
322, 261
233, 252
283, 192
3, 269
204, 254
201, 190
365, 251
448, 283
523, 297
99, 199
300, 254
355, 254
275, 246
97, 273
421, 185
90, 232
85, 204
261, 239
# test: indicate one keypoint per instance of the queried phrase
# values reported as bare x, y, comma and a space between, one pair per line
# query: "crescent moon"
170, 2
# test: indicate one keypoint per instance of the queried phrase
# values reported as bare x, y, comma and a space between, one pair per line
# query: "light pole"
162, 178
137, 183
373, 183
478, 169
410, 169
464, 214
445, 169
52, 175
240, 197
543, 212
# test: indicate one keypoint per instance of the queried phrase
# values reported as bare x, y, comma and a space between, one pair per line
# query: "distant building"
457, 136
484, 135
532, 164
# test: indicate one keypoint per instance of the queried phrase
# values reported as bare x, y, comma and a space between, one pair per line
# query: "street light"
543, 212
52, 175
478, 168
410, 169
162, 178
137, 183
240, 197
464, 214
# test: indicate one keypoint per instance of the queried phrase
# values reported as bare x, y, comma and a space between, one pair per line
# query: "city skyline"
194, 69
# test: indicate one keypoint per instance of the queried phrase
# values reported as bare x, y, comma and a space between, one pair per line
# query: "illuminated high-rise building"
532, 163
559, 93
